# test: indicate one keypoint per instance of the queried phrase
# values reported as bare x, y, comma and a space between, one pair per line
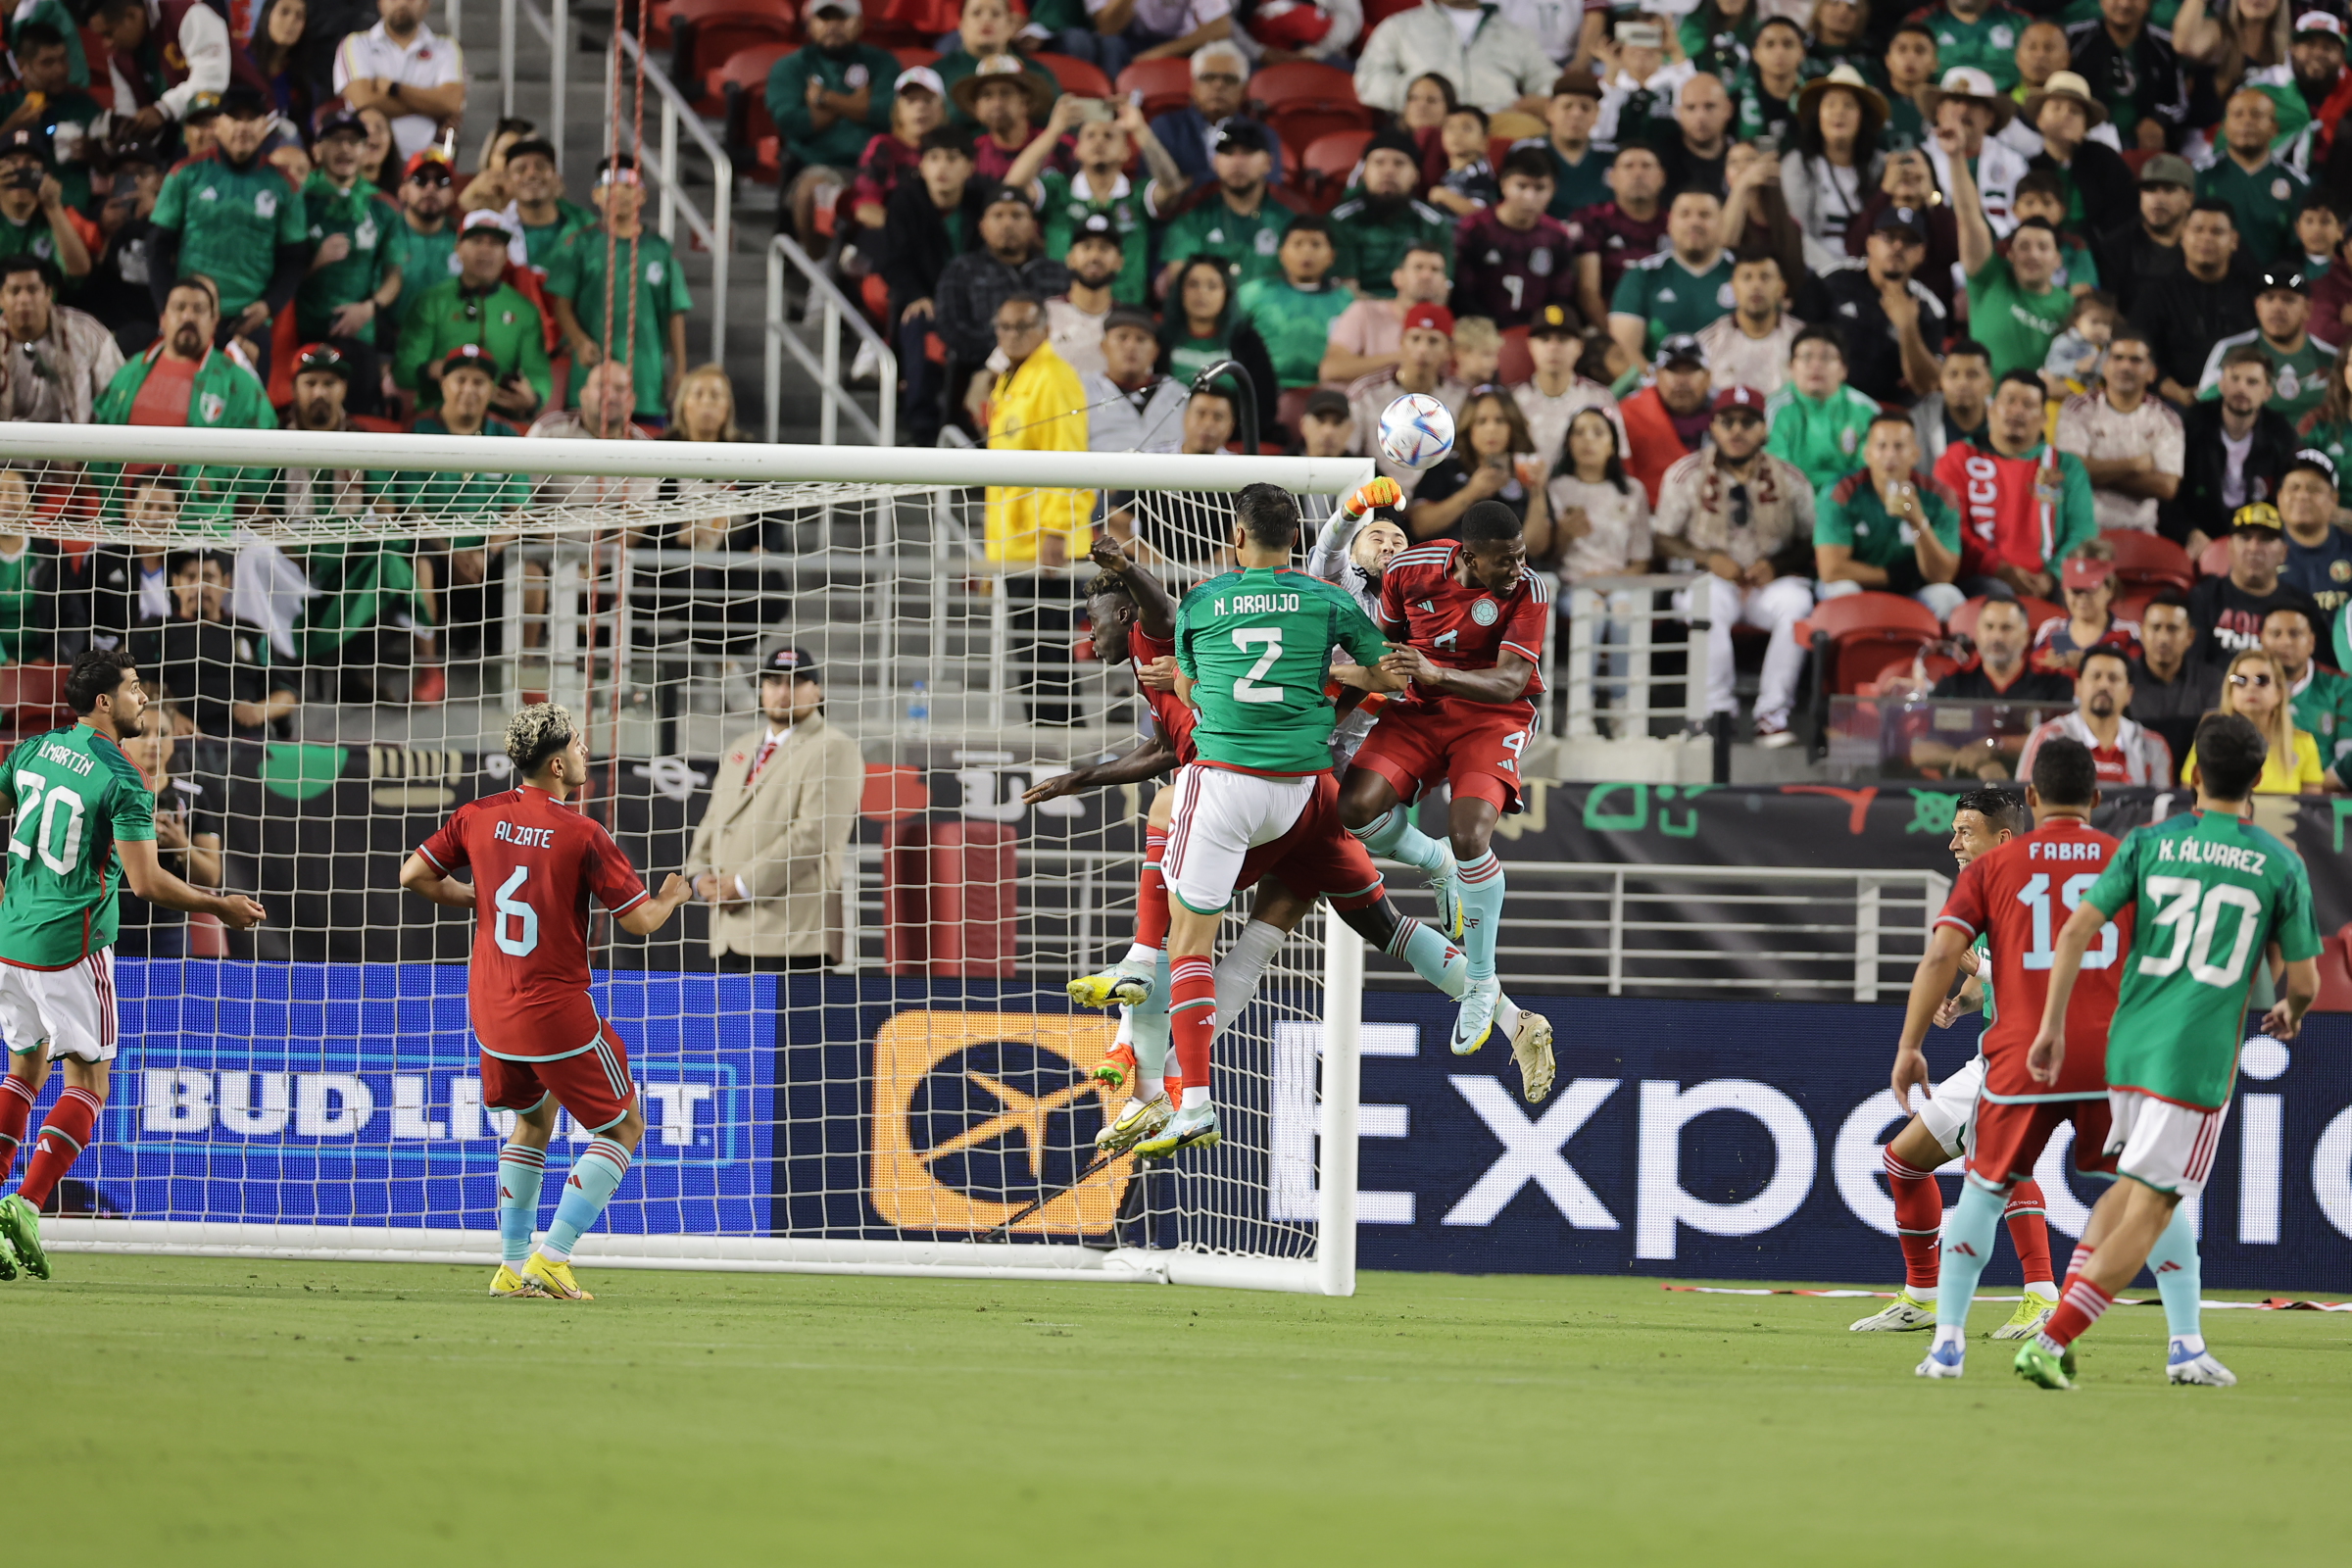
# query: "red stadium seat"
1081, 77
1292, 408
2132, 603
740, 88
2150, 561
1335, 154
717, 34
909, 58
1859, 637
1303, 101
1516, 364
1165, 84
1964, 619
1306, 191
33, 697
2215, 561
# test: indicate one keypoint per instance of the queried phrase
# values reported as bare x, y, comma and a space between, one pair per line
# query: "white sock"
1139, 956
1242, 968
1150, 1089
1951, 1334
1507, 1015
2193, 1344
547, 1250
2043, 1289
1196, 1096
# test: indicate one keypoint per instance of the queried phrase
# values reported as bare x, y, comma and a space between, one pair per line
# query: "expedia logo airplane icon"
978, 1115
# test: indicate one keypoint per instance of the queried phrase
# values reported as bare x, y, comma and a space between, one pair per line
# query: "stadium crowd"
1962, 303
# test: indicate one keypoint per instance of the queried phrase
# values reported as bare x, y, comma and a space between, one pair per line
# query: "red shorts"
1318, 857
594, 1084
1475, 747
2005, 1140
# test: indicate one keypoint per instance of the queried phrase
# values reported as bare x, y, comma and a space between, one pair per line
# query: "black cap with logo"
797, 663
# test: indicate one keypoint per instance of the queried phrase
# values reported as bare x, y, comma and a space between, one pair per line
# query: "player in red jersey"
535, 864
2018, 894
1472, 617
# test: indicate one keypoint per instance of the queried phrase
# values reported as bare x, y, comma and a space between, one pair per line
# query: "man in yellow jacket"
1038, 406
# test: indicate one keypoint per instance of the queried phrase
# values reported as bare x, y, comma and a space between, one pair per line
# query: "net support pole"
1335, 1192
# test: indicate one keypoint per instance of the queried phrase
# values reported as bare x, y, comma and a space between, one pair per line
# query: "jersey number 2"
46, 831
511, 908
2036, 896
1270, 638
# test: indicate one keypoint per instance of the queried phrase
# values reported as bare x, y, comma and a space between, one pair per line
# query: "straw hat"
2066, 84
1872, 102
966, 92
1969, 85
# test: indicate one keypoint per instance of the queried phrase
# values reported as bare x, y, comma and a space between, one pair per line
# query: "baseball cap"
1329, 404
25, 143
2281, 277
2256, 515
203, 105
534, 144
1128, 315
1907, 219
1393, 141
1739, 397
1553, 320
1434, 318
2083, 571
241, 100
616, 169
419, 163
472, 354
2313, 458
2320, 23
339, 121
1682, 348
797, 663
1582, 84
2168, 169
922, 76
848, 8
1098, 225
1007, 193
1242, 136
322, 357
484, 217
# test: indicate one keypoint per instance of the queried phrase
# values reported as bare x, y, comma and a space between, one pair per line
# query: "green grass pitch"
197, 1410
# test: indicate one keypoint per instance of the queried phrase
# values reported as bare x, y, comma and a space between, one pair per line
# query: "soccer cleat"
2038, 1366
1186, 1129
2032, 1311
1118, 1065
507, 1285
8, 1260
553, 1279
1531, 1047
1446, 883
1475, 1019
2183, 1365
1138, 1121
20, 1228
1946, 1361
1905, 1315
1119, 983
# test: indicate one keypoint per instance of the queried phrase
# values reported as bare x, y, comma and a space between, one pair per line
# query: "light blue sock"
1482, 913
1148, 1026
1433, 958
2179, 1276
522, 1169
595, 1177
1968, 1230
1392, 833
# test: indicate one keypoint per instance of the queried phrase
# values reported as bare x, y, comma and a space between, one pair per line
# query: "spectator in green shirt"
351, 280
1294, 313
828, 99
478, 306
33, 219
425, 245
1239, 222
1817, 421
647, 269
1379, 220
235, 218
46, 99
540, 207
1099, 187
1888, 527
1680, 291
1579, 174
2015, 307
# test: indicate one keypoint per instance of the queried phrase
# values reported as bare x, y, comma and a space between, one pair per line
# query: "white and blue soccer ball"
1416, 431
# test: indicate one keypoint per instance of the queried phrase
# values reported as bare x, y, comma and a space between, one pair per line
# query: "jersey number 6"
510, 906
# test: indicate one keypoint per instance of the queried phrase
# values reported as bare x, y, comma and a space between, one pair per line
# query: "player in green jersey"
2211, 894
85, 824
1253, 650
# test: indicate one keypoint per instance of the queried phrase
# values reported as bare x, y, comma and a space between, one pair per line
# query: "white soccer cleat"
1905, 1315
2184, 1365
1475, 1021
1531, 1047
1949, 1360
1139, 1120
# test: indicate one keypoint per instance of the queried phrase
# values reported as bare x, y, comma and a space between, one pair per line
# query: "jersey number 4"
526, 936
1268, 638
52, 824
2192, 912
2036, 896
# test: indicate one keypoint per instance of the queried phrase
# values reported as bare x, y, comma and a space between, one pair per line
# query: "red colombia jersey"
1462, 627
1175, 716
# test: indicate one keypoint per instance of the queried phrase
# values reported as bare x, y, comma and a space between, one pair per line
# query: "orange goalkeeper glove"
1367, 498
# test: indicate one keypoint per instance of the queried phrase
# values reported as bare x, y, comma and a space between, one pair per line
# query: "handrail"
718, 234
555, 30
827, 371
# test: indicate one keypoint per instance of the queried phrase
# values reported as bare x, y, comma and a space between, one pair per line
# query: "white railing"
824, 366
1624, 668
718, 233
553, 27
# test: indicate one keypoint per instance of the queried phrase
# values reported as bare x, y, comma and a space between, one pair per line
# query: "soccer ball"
1416, 431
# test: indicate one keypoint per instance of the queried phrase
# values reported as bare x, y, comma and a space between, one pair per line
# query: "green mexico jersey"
644, 262
364, 216
231, 224
1988, 43
1257, 645
76, 796
2323, 709
1064, 213
1245, 243
539, 240
1672, 299
423, 260
2208, 893
1295, 323
1370, 249
22, 614
1822, 436
2298, 380
2265, 200
1983, 951
1851, 513
485, 500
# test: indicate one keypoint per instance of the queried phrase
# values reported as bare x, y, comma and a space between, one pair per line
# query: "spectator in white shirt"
2131, 440
404, 69
1555, 394
201, 39
1750, 345
1130, 405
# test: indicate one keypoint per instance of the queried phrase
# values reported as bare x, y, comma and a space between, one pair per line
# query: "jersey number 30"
38, 822
526, 936
2192, 912
1268, 638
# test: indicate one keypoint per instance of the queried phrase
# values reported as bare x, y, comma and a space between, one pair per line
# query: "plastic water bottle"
918, 706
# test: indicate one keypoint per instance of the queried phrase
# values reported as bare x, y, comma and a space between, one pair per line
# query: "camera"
23, 178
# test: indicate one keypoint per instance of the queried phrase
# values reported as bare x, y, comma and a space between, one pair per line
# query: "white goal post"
339, 625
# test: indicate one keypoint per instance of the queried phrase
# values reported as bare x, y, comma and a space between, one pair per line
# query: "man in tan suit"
766, 855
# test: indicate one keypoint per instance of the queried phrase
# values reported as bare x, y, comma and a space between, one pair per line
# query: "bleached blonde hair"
536, 733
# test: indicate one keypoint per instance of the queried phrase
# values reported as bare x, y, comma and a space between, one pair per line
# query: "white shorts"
2168, 1147
1946, 1111
1220, 816
68, 1011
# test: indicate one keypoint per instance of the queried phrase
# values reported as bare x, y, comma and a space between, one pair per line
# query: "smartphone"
1093, 111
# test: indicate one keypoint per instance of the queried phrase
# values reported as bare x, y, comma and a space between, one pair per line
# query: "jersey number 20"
511, 908
38, 823
1268, 638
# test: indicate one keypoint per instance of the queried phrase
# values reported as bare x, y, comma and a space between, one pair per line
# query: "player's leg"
1910, 1161
1143, 1043
1476, 807
1386, 774
1126, 981
28, 1041
2028, 1222
76, 1006
595, 1086
2003, 1141
512, 1086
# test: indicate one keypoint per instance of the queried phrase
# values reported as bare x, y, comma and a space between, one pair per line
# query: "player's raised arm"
420, 876
649, 914
1155, 610
1930, 984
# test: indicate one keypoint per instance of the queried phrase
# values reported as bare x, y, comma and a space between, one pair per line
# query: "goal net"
881, 1070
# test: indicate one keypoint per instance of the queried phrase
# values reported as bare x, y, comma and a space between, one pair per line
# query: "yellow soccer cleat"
553, 1279
1530, 1047
1117, 984
2032, 1311
507, 1286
